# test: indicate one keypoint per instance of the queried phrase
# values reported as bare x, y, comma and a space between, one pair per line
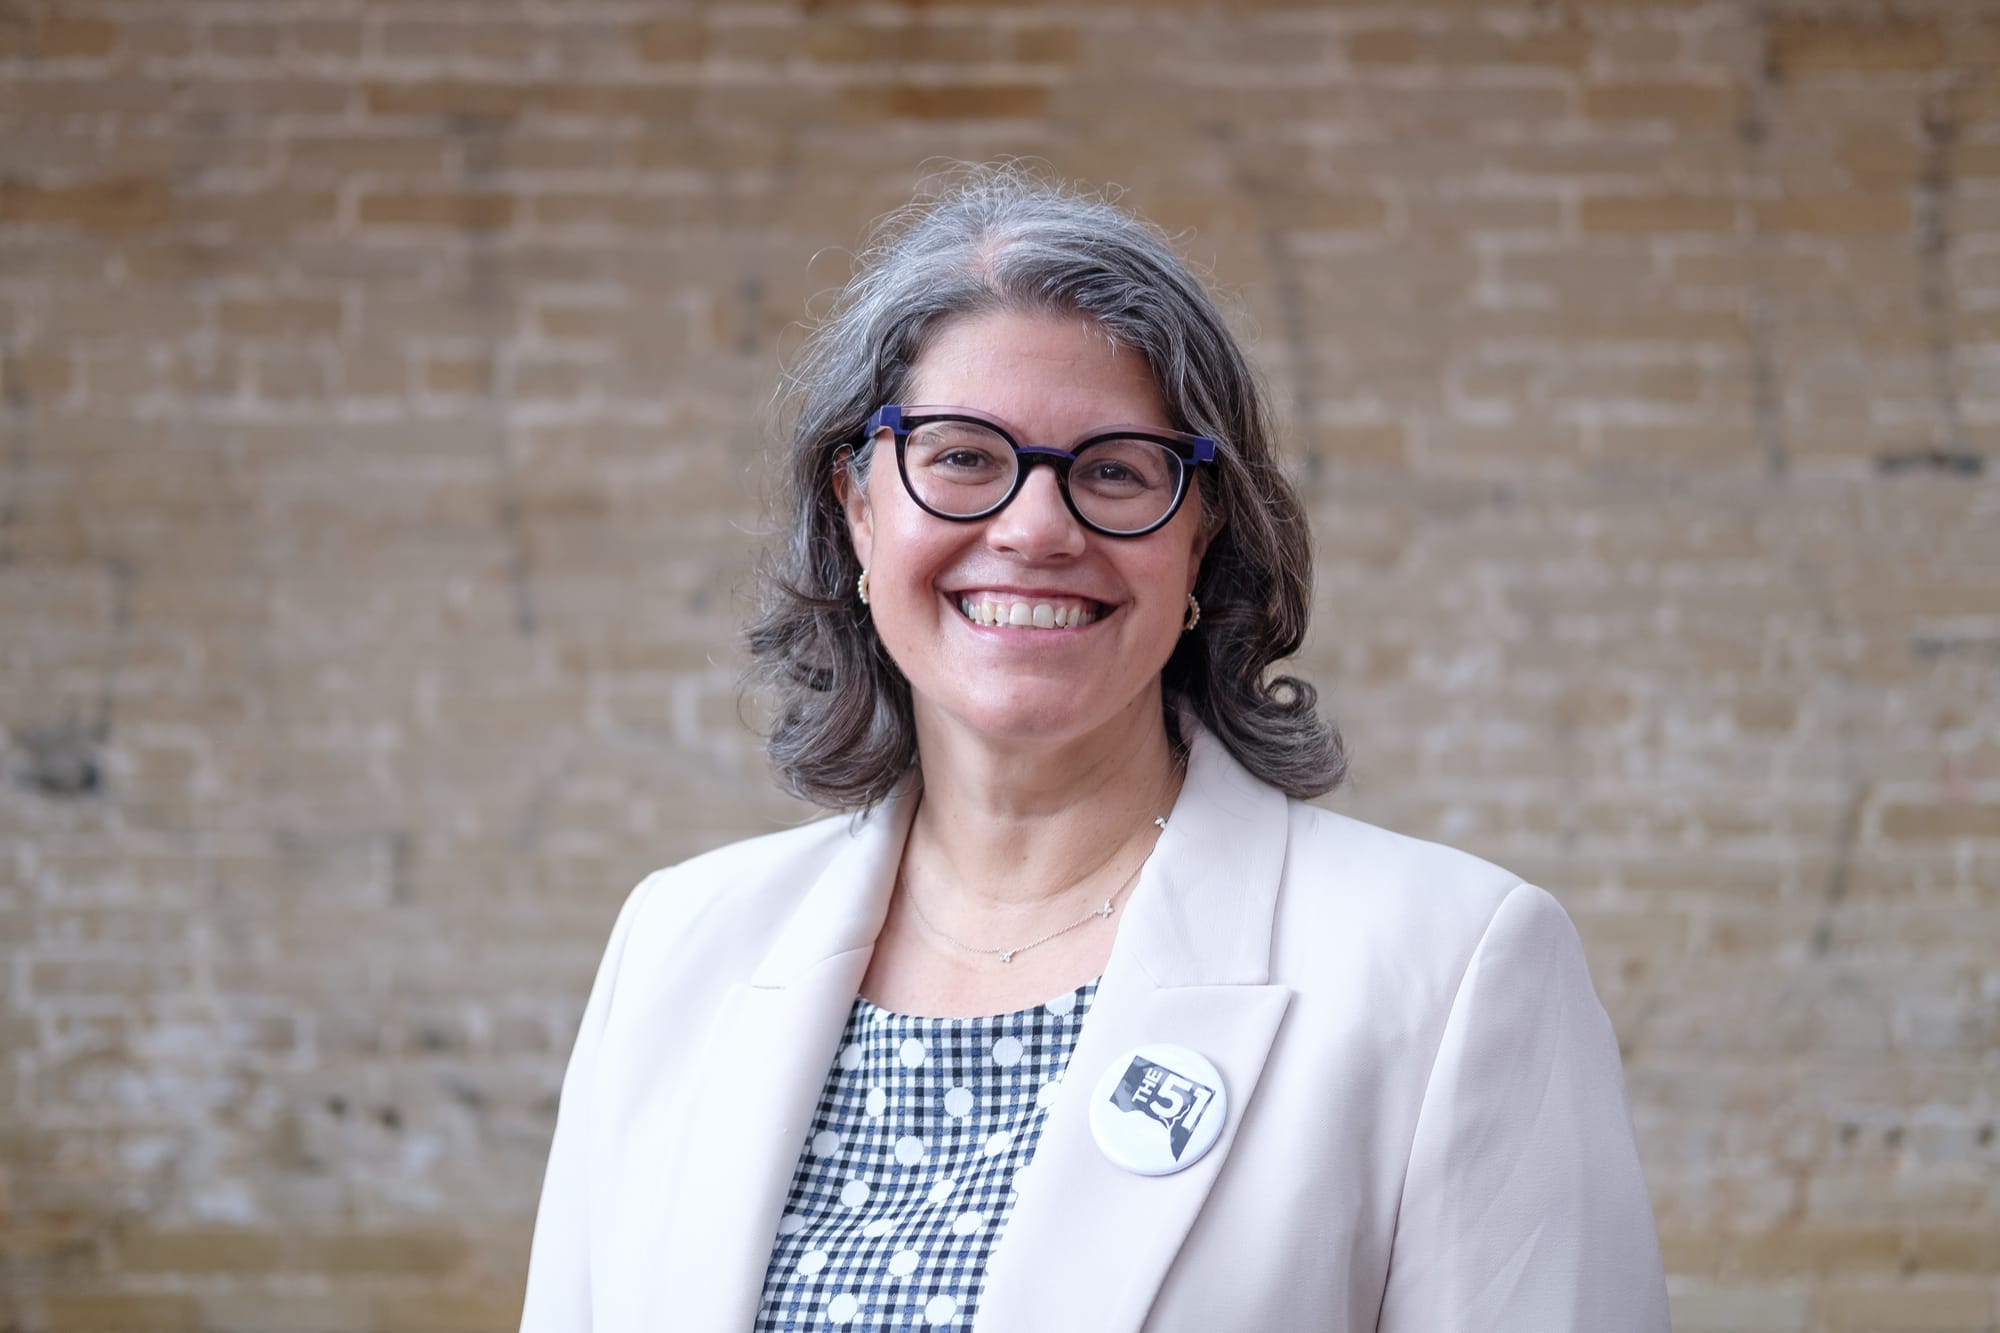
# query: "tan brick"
346, 154
272, 1312
1953, 819
665, 103
246, 41
1046, 45
927, 42
1809, 45
35, 373
158, 1312
102, 205
680, 40
1961, 1247
58, 38
261, 212
262, 99
583, 321
201, 1250
463, 212
1323, 210
1657, 213
1556, 48
458, 375
340, 39
1912, 1307
1348, 445
1662, 101
956, 101
430, 1253
282, 317
1791, 1250
491, 101
1848, 214
1977, 160
450, 1312
489, 37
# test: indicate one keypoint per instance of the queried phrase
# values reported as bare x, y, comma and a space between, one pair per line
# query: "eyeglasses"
962, 465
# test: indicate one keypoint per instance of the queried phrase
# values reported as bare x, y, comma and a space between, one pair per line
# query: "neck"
1007, 834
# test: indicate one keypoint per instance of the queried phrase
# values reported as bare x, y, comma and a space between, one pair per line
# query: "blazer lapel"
1088, 1244
740, 1114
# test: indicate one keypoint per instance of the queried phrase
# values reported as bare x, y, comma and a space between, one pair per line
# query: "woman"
1083, 1020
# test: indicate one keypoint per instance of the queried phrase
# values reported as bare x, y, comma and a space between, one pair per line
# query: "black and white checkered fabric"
907, 1177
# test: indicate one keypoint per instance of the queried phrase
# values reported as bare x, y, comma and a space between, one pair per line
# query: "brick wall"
382, 390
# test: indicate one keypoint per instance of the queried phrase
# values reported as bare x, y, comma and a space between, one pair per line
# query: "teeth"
1024, 615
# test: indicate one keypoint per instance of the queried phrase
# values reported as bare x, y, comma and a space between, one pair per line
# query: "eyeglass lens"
962, 469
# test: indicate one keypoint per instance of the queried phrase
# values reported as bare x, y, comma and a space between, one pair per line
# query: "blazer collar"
1090, 1245
1177, 927
1226, 826
845, 908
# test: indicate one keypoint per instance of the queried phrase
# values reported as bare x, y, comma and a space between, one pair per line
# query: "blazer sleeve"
558, 1299
1523, 1208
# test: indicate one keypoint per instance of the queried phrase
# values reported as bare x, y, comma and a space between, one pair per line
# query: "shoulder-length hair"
999, 238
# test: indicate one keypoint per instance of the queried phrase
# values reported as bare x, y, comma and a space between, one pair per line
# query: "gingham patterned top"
907, 1177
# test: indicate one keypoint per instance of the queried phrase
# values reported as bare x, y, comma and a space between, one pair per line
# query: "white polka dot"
958, 1102
942, 1190
997, 1143
854, 1193
812, 1262
879, 1227
850, 1055
1045, 1096
842, 1308
826, 1143
940, 1310
967, 1223
903, 1263
1062, 1004
1007, 1052
876, 1102
911, 1053
791, 1224
909, 1150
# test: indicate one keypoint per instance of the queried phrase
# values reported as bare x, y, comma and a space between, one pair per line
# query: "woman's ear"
852, 491
1203, 535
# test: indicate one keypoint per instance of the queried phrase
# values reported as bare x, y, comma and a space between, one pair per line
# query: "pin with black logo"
1157, 1109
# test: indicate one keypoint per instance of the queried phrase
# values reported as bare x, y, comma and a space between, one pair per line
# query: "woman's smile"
1009, 610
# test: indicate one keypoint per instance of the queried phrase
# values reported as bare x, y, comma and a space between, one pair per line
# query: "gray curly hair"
1004, 239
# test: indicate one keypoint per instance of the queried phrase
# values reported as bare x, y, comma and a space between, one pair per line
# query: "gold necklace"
1109, 906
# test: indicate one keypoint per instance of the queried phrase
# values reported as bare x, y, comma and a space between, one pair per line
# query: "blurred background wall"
385, 391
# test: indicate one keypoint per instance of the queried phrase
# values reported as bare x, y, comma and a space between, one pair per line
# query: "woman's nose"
1037, 523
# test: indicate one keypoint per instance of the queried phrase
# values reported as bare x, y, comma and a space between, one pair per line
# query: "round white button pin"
1158, 1109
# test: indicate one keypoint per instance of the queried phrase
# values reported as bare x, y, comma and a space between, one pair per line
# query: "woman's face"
1053, 378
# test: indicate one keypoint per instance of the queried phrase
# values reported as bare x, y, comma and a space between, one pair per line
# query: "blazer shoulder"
1379, 862
1401, 905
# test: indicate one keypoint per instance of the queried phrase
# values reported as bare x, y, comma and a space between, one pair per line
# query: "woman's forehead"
1032, 365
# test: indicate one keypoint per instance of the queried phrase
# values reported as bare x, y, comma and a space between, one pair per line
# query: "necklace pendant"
1007, 955
1104, 910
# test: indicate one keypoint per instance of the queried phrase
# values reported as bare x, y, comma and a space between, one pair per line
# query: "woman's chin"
1038, 717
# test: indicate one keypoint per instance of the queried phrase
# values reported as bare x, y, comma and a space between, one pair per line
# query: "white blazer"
1426, 1129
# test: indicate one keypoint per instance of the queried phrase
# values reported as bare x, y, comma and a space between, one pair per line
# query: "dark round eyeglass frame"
900, 420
